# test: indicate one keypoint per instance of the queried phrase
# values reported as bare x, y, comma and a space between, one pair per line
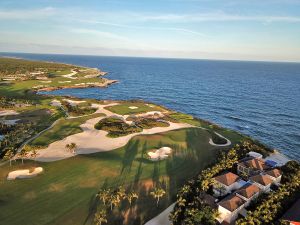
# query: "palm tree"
103, 195
131, 196
71, 147
114, 201
100, 217
157, 193
120, 192
23, 154
9, 155
34, 154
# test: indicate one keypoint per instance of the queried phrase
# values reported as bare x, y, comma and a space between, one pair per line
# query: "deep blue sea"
260, 99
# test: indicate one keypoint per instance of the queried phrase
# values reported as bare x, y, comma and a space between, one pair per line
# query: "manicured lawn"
65, 192
123, 108
62, 129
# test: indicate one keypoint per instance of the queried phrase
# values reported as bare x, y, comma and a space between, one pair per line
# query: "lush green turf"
65, 192
62, 129
123, 108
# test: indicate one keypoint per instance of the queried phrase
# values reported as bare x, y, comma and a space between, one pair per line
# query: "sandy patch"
46, 81
70, 75
133, 107
159, 154
55, 103
73, 102
63, 82
92, 140
8, 112
23, 174
9, 122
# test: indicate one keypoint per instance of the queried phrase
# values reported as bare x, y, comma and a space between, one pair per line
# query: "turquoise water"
260, 99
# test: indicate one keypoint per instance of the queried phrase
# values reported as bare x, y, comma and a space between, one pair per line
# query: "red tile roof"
261, 179
274, 173
232, 202
227, 178
248, 190
257, 164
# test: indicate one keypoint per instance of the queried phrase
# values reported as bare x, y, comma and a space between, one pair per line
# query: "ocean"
259, 99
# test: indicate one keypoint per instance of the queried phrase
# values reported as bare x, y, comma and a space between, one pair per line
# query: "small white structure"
229, 208
275, 175
262, 181
23, 174
226, 183
1, 137
159, 154
255, 155
9, 122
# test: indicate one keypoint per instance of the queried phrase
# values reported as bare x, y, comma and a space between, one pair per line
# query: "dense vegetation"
20, 66
116, 127
269, 209
78, 110
191, 200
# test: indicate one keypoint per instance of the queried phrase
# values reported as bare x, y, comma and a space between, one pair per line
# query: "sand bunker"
70, 75
23, 174
63, 82
92, 140
73, 102
8, 112
133, 107
9, 122
159, 154
56, 103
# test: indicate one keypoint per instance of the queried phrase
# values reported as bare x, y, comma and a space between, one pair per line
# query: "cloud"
22, 14
216, 17
178, 29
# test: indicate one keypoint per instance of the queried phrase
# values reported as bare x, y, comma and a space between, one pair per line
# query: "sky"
206, 29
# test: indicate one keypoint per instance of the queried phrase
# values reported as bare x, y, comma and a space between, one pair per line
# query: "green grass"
62, 129
123, 108
65, 192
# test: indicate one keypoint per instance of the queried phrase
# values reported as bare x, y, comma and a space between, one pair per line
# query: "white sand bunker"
23, 174
160, 154
55, 103
73, 102
133, 107
8, 113
10, 122
63, 82
45, 81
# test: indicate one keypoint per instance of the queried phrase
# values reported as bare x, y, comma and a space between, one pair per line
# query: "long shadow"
131, 151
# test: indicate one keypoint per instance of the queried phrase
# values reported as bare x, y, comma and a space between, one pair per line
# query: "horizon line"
151, 57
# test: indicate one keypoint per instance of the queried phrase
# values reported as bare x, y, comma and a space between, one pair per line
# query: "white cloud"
22, 14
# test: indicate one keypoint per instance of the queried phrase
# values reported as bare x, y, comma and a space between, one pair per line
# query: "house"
251, 166
229, 208
226, 183
248, 192
275, 175
262, 181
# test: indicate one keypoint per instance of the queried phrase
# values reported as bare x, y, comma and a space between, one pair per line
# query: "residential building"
293, 214
248, 192
229, 208
225, 183
262, 181
251, 166
275, 175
